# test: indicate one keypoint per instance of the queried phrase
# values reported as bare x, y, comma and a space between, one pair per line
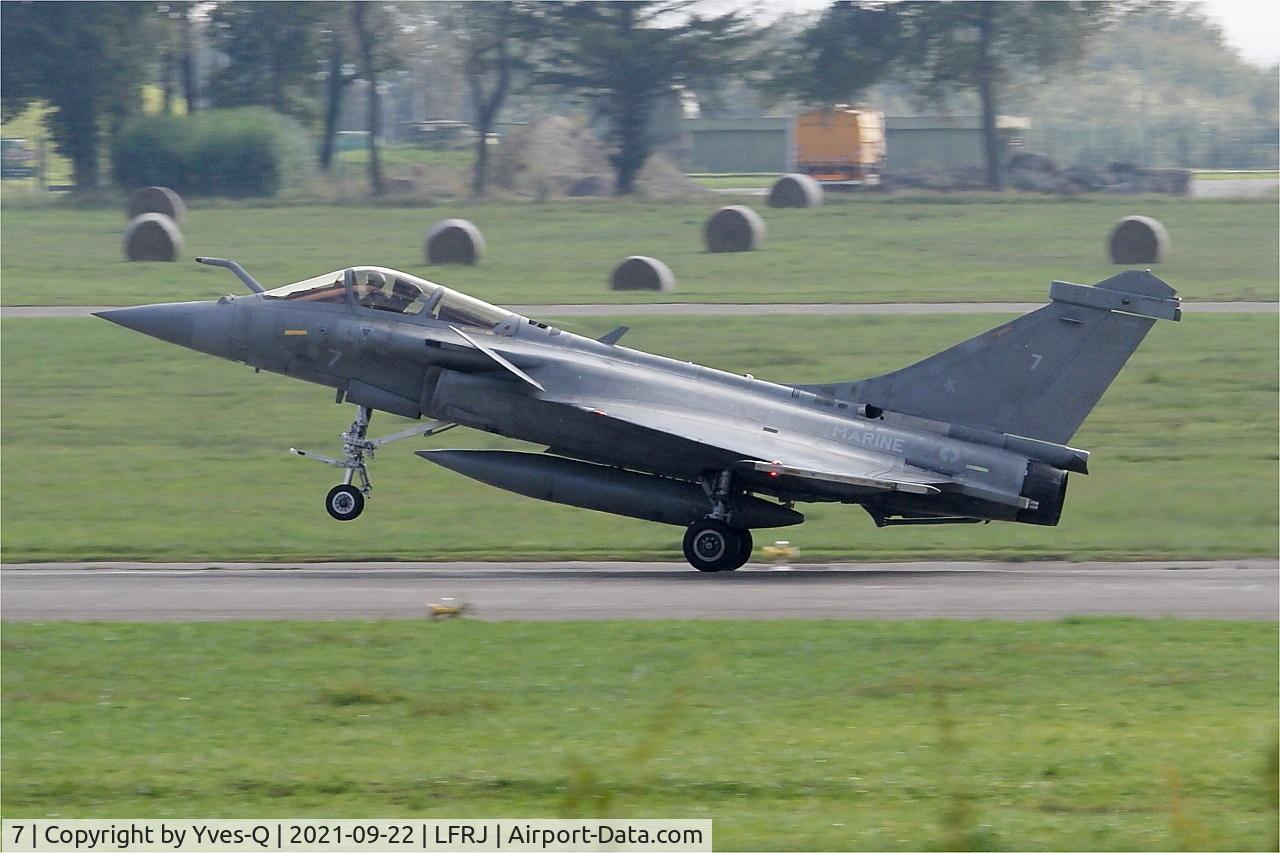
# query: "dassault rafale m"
975, 433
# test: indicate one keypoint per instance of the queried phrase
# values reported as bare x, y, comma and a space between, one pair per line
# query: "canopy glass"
383, 289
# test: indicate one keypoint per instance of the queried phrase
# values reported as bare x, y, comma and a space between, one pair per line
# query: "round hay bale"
157, 200
736, 228
641, 273
795, 191
152, 237
454, 241
1138, 240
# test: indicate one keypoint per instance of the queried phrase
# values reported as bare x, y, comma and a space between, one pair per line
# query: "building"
719, 145
945, 143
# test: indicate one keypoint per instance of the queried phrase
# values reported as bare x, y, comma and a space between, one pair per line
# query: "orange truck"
840, 145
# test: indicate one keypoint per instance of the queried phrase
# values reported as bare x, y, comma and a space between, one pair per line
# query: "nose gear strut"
345, 502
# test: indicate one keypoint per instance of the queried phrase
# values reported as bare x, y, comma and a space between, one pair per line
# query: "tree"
174, 39
366, 29
849, 48
165, 38
981, 45
339, 75
1160, 86
187, 56
87, 60
372, 27
273, 53
495, 40
625, 57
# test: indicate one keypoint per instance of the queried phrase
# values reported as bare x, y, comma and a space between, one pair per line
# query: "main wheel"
712, 546
344, 502
745, 546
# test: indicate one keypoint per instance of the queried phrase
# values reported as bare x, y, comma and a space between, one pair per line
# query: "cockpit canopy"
383, 289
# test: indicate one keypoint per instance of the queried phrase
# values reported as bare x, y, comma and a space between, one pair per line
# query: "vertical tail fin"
1037, 376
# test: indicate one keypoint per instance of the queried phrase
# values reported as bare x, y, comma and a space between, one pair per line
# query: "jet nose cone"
173, 323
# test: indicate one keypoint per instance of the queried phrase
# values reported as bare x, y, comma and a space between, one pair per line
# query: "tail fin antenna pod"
1037, 376
1132, 292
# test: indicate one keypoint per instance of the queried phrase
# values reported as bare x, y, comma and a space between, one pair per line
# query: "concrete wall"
738, 145
942, 142
933, 148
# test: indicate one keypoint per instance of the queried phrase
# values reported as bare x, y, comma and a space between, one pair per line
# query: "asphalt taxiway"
1240, 589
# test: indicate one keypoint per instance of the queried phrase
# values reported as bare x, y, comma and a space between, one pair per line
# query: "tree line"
90, 60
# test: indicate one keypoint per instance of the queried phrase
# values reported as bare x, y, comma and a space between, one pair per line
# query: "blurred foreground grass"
853, 249
1077, 735
118, 446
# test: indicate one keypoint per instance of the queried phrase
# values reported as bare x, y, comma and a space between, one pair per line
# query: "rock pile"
557, 157
553, 156
1037, 173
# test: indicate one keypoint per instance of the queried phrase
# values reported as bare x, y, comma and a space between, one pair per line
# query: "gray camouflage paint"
976, 432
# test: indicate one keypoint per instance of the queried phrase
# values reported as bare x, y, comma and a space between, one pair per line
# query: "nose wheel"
345, 501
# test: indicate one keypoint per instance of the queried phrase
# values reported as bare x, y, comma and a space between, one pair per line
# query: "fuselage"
425, 363
969, 434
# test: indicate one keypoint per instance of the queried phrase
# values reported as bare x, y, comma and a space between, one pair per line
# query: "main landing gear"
712, 544
345, 502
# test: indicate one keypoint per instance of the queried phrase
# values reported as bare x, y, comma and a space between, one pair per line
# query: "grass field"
120, 446
1078, 735
901, 248
410, 155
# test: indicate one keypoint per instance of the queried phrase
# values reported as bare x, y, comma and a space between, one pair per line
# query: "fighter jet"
975, 433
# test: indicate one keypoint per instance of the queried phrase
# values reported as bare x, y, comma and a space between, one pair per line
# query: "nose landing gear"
345, 502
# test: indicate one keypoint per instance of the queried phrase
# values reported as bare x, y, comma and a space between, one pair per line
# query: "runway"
1239, 589
1237, 188
730, 309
